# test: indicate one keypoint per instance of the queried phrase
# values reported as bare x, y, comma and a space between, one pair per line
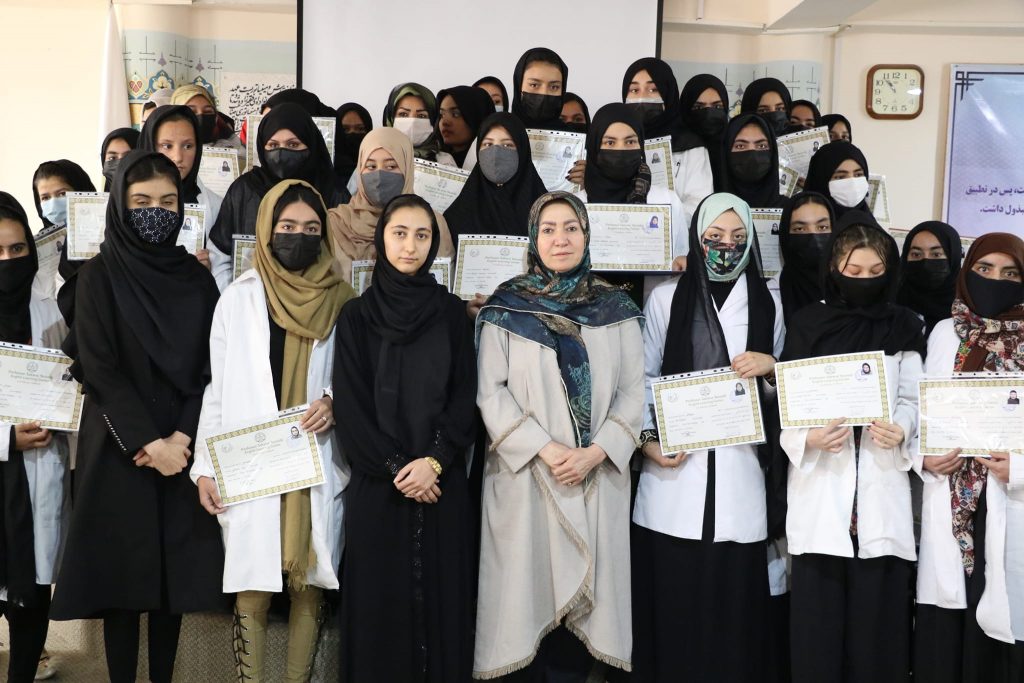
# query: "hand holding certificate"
633, 237
816, 391
486, 261
707, 409
268, 458
554, 154
977, 413
36, 386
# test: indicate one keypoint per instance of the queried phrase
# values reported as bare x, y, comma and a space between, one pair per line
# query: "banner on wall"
984, 188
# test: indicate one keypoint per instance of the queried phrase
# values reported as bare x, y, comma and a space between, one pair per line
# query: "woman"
704, 108
839, 171
384, 171
769, 98
963, 628
215, 128
930, 266
462, 109
538, 83
850, 524
839, 127
575, 113
650, 87
561, 390
804, 114
118, 142
33, 460
412, 109
752, 162
138, 539
278, 318
406, 380
355, 123
493, 86
701, 586
804, 233
289, 146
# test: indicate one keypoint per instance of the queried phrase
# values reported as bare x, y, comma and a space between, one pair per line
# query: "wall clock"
895, 91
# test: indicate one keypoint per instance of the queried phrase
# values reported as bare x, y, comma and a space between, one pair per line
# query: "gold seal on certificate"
658, 153
438, 184
707, 409
87, 217
192, 235
796, 149
271, 457
554, 154
218, 168
36, 386
815, 391
976, 412
486, 261
243, 248
766, 225
362, 273
634, 237
325, 124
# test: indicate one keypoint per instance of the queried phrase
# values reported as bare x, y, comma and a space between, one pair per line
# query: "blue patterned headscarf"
549, 308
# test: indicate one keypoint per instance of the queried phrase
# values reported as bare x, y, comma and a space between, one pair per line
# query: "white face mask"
417, 130
498, 108
848, 192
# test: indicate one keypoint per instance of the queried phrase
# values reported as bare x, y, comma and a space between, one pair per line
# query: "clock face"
895, 92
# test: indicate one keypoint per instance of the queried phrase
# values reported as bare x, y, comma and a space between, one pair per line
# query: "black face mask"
16, 274
350, 143
574, 127
927, 273
207, 126
749, 167
861, 292
808, 251
710, 121
648, 111
993, 297
110, 168
619, 164
541, 108
286, 163
295, 251
778, 120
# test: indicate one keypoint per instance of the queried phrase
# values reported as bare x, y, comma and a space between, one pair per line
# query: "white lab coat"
680, 219
671, 501
241, 391
822, 484
44, 467
692, 179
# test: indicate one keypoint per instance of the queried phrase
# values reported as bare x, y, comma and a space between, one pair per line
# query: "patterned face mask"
153, 224
723, 258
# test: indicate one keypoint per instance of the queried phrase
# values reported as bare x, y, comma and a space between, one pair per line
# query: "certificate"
438, 184
243, 248
36, 386
976, 412
766, 225
192, 235
659, 159
362, 273
325, 124
271, 457
218, 168
554, 154
796, 149
49, 244
486, 261
707, 409
87, 216
787, 181
815, 391
633, 237
878, 199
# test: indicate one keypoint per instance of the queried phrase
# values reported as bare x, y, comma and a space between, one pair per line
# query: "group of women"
496, 503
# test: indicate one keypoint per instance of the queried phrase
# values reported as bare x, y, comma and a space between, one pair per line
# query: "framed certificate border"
481, 241
75, 199
662, 145
287, 417
851, 420
964, 382
662, 384
240, 244
664, 211
44, 355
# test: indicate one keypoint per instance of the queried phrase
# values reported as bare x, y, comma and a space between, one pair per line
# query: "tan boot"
304, 622
250, 636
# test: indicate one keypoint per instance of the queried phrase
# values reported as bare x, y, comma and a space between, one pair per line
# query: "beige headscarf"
182, 94
306, 304
354, 224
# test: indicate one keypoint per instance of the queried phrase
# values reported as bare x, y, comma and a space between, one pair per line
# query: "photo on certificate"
268, 458
36, 386
707, 409
630, 237
439, 185
87, 217
814, 391
486, 261
977, 413
243, 248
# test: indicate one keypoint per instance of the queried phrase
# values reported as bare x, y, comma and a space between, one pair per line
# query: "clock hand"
891, 85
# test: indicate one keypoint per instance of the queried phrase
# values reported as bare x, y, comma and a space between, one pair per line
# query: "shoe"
48, 667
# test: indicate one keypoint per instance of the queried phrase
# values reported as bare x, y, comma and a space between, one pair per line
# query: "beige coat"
549, 551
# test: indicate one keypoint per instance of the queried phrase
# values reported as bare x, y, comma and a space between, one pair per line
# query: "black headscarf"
601, 188
752, 95
712, 142
346, 145
129, 135
824, 163
475, 106
800, 279
304, 98
537, 54
16, 276
148, 143
836, 327
669, 122
810, 105
832, 119
577, 127
763, 194
933, 302
72, 173
482, 206
162, 292
494, 80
